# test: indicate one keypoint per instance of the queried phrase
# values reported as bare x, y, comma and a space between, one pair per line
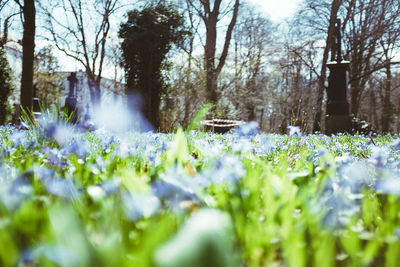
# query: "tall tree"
364, 25
82, 33
6, 86
147, 37
28, 50
211, 15
317, 18
367, 24
253, 45
389, 44
190, 82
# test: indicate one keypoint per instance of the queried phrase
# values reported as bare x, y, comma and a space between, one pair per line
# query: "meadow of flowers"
71, 197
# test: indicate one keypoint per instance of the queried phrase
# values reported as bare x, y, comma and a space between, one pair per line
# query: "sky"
277, 10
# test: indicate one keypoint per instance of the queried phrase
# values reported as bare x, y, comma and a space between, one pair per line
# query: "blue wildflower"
294, 130
20, 138
249, 129
175, 185
388, 186
13, 192
61, 187
60, 255
224, 169
140, 205
110, 186
396, 144
77, 147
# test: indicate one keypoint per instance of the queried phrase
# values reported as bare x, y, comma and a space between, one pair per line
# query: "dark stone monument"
71, 103
337, 118
36, 103
36, 107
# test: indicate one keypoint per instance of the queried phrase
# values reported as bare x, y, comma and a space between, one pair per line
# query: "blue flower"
54, 156
342, 196
21, 138
175, 185
339, 204
61, 187
294, 130
140, 205
379, 156
243, 145
264, 145
226, 169
13, 192
77, 147
60, 255
110, 186
396, 144
388, 186
249, 129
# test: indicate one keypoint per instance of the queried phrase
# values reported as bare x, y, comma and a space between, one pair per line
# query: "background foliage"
147, 38
6, 87
273, 72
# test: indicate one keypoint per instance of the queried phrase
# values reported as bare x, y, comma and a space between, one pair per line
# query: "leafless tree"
365, 25
254, 46
187, 81
211, 14
80, 29
389, 45
317, 18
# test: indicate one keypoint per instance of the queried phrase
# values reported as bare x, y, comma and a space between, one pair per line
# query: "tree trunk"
28, 48
95, 93
210, 19
354, 102
209, 49
373, 110
387, 104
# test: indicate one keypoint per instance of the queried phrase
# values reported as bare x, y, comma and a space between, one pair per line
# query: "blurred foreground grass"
197, 199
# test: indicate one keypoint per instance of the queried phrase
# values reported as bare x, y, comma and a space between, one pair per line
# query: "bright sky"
277, 10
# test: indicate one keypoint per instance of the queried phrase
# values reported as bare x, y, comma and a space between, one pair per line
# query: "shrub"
6, 87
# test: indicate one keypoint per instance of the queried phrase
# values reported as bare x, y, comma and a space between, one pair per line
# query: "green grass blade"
199, 116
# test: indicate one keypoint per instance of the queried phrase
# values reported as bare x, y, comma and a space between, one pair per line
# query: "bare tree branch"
86, 26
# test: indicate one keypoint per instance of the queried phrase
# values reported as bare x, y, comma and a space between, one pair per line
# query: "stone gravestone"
71, 103
337, 118
36, 103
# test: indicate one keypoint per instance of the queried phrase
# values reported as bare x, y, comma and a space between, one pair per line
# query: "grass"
197, 199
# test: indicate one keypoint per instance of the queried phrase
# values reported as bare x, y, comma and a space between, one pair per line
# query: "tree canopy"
148, 35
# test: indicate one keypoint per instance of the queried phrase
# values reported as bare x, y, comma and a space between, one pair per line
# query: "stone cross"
71, 103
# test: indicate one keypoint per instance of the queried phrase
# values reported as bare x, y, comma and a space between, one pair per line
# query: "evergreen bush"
6, 87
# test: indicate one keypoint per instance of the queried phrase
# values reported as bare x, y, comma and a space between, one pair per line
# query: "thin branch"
228, 38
